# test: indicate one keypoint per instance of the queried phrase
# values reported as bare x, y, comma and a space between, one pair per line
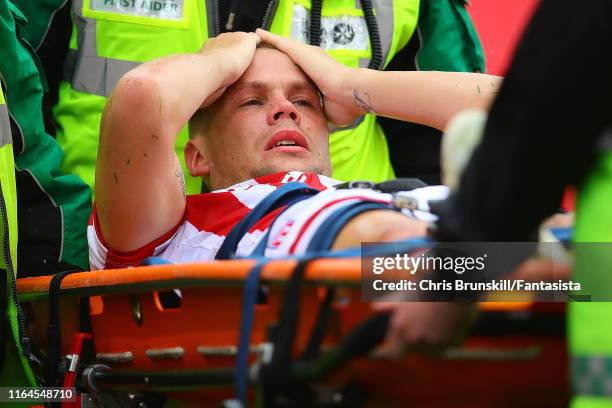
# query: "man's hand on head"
235, 52
136, 158
328, 75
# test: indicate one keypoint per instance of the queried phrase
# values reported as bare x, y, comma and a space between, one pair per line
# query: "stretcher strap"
366, 335
313, 347
154, 260
324, 238
251, 287
276, 375
369, 251
84, 317
384, 249
260, 249
288, 319
285, 195
322, 241
389, 186
54, 334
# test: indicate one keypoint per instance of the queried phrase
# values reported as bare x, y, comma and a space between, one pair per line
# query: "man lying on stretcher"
258, 118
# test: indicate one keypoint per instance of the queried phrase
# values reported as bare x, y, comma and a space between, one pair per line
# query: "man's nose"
282, 110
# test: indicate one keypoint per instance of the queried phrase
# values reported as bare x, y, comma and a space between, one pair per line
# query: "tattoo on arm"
363, 101
179, 174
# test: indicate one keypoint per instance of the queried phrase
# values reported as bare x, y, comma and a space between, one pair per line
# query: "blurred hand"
426, 327
327, 74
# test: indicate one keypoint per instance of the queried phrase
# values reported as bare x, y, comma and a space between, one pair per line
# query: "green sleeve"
449, 41
53, 235
39, 14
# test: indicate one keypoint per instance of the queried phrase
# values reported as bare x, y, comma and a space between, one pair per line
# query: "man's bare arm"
429, 98
139, 182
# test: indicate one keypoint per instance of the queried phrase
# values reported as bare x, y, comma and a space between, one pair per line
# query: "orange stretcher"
187, 352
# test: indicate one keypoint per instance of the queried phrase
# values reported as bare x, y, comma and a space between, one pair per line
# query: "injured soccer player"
258, 108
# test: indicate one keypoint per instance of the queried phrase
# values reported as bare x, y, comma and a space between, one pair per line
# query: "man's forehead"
271, 67
264, 85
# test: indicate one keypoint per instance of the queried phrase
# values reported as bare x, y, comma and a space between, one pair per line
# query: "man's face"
270, 120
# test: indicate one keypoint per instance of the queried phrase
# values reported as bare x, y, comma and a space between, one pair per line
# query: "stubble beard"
266, 170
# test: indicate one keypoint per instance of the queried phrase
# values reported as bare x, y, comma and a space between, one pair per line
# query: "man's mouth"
287, 140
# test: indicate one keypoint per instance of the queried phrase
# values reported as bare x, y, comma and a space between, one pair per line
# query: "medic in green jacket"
48, 209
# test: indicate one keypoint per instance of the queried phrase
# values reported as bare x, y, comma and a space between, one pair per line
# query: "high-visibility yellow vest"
110, 37
15, 370
590, 323
7, 183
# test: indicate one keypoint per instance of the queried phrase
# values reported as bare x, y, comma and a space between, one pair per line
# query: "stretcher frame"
214, 378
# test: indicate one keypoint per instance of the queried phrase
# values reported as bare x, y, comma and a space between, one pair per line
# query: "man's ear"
196, 161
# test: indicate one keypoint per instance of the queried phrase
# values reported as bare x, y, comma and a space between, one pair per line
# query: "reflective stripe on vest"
5, 125
592, 376
8, 194
84, 69
90, 73
384, 18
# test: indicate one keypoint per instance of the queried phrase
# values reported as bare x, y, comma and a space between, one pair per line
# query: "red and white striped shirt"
210, 217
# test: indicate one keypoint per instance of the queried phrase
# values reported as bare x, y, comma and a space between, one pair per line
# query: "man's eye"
302, 102
251, 102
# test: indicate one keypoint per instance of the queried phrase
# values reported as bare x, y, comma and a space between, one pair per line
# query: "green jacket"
55, 206
49, 210
449, 41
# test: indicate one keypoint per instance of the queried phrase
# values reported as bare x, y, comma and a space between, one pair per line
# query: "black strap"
54, 329
313, 347
366, 335
389, 186
324, 237
84, 317
277, 379
275, 376
400, 184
